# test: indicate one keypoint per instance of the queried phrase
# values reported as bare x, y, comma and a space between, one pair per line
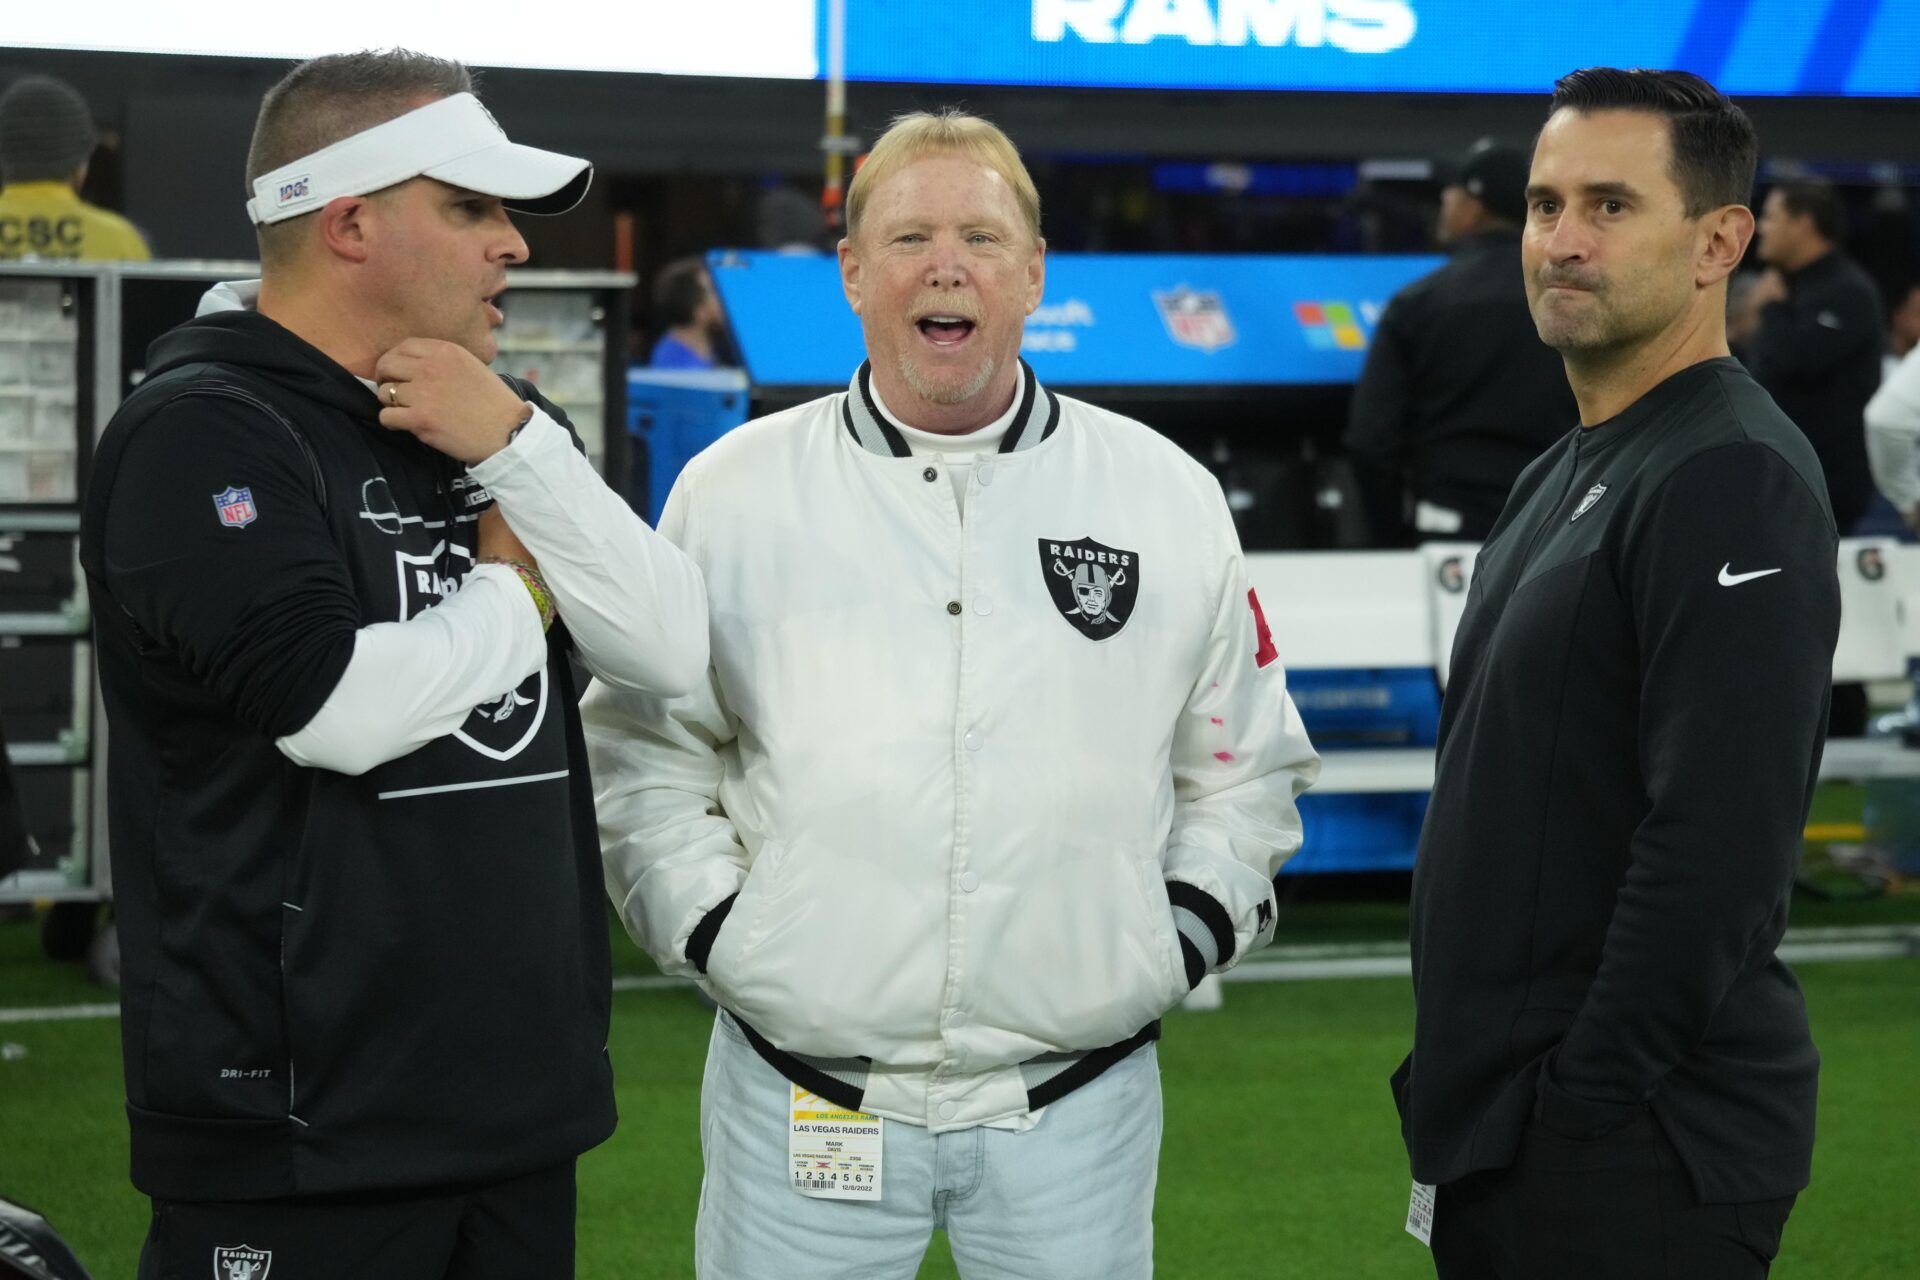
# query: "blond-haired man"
994, 762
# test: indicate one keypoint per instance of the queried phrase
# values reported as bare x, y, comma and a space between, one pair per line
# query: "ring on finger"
393, 395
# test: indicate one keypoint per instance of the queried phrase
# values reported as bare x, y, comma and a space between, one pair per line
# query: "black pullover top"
1627, 753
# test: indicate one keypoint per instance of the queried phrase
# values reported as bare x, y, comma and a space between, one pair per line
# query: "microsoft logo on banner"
1356, 26
1331, 326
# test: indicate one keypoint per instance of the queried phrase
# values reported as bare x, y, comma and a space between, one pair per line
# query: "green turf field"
1281, 1155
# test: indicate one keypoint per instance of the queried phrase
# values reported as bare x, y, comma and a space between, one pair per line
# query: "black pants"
1616, 1208
520, 1229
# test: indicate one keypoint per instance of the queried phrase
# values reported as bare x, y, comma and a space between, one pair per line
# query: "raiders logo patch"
506, 726
1594, 495
241, 1262
503, 728
1093, 585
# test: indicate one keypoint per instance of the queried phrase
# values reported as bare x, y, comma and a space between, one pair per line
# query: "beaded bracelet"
536, 586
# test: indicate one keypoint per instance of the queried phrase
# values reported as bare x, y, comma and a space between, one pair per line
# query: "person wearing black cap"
46, 141
1458, 394
341, 573
1816, 330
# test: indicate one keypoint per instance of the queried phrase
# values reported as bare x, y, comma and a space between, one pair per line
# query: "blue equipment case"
672, 415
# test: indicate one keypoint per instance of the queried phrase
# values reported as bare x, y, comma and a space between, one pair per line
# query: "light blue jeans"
1071, 1199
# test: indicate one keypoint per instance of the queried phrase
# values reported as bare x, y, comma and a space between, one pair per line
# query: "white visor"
455, 140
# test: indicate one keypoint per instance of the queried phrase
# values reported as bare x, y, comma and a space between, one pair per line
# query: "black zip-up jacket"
1627, 752
1458, 394
330, 984
1818, 355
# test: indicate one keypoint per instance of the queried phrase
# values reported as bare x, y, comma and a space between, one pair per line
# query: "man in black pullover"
363, 940
1612, 1074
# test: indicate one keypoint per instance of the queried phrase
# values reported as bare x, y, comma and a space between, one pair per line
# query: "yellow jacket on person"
50, 220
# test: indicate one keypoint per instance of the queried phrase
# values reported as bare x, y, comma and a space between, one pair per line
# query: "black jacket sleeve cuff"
1206, 930
700, 944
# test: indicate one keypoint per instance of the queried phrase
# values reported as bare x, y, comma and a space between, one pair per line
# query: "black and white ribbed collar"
1036, 418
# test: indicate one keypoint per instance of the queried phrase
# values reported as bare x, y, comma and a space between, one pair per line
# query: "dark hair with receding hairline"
1815, 198
1715, 149
326, 100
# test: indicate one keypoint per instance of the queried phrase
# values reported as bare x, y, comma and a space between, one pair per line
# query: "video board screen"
1745, 47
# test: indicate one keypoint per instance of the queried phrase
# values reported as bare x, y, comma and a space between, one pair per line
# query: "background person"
688, 311
1903, 331
1817, 333
1893, 437
1458, 393
46, 141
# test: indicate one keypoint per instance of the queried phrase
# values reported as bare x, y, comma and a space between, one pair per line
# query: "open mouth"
945, 331
491, 301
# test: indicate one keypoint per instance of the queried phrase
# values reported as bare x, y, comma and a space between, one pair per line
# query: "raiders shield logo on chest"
1094, 585
241, 1262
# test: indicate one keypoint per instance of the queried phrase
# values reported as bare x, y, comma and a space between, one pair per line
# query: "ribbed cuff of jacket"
1206, 930
700, 942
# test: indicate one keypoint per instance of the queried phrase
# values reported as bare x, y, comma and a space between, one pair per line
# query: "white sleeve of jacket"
1240, 761
1893, 435
635, 606
671, 857
411, 682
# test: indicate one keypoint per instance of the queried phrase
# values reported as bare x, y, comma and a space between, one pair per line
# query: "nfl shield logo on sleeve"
241, 1262
235, 507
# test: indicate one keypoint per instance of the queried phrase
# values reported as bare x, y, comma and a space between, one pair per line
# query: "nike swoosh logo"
1729, 579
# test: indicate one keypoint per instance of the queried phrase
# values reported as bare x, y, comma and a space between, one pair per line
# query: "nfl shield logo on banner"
1195, 318
235, 507
1093, 585
241, 1262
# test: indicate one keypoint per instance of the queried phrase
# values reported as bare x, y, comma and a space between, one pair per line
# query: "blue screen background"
1745, 47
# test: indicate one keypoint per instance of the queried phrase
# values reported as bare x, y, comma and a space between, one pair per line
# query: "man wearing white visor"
342, 573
